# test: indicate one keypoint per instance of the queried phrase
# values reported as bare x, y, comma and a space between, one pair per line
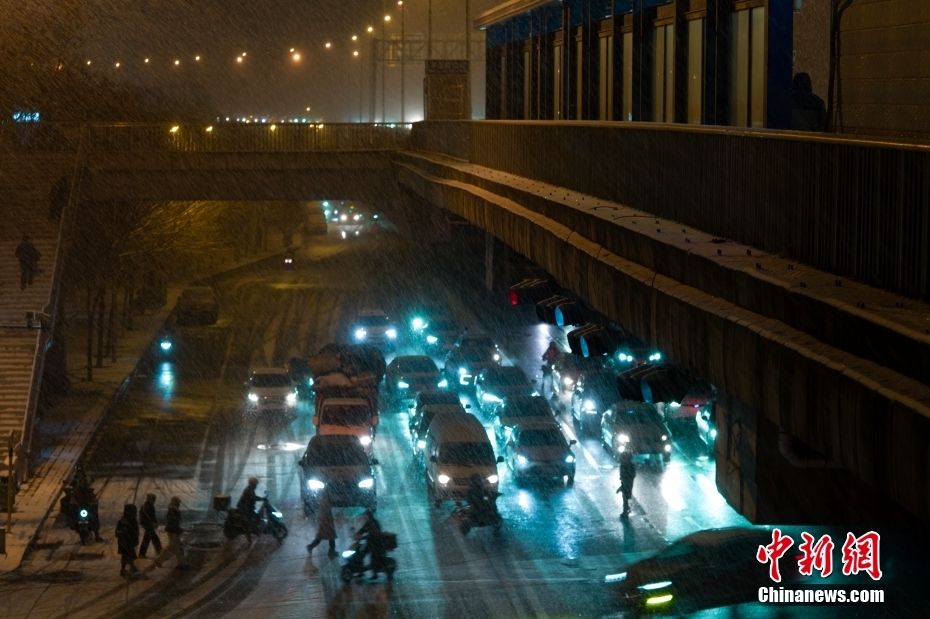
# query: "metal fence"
857, 208
218, 138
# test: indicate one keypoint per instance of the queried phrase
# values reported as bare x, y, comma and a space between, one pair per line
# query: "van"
457, 447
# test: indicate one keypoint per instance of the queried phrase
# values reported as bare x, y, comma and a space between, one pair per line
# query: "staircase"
25, 183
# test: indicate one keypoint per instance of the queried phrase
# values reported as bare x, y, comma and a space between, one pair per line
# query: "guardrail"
854, 207
210, 138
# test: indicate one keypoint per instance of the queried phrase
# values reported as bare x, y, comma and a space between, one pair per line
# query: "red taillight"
514, 299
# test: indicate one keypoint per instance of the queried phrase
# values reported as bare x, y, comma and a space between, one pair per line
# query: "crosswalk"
25, 183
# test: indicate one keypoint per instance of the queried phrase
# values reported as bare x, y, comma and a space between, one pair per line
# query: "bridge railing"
855, 207
245, 138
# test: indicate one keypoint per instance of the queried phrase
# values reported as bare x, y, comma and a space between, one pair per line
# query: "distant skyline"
268, 80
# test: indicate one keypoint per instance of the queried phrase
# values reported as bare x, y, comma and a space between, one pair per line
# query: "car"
197, 305
496, 383
407, 375
375, 328
637, 428
539, 450
592, 394
419, 429
462, 365
440, 334
707, 569
270, 390
337, 463
568, 367
518, 409
423, 315
427, 397
471, 339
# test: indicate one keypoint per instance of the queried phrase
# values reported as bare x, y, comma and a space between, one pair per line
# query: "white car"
373, 327
270, 390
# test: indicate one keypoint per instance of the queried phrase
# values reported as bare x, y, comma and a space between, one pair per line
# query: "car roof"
261, 371
458, 427
334, 441
551, 424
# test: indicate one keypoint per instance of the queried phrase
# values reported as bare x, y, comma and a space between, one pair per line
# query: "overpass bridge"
790, 271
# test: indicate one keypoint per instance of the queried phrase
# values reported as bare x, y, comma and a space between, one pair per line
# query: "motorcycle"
270, 520
482, 515
355, 566
81, 514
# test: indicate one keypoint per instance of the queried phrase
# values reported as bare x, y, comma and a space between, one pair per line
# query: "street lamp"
360, 79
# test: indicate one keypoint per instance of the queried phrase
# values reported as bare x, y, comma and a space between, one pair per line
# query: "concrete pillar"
772, 482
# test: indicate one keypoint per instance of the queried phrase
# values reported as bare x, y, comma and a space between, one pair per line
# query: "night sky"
268, 81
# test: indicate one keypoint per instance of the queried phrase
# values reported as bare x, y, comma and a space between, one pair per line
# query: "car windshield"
535, 407
437, 397
506, 377
467, 454
579, 363
542, 438
414, 365
345, 415
644, 416
265, 381
337, 455
476, 341
376, 320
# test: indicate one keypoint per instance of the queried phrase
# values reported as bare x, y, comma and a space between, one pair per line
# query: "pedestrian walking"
808, 111
28, 257
627, 475
58, 198
325, 526
127, 537
149, 523
173, 530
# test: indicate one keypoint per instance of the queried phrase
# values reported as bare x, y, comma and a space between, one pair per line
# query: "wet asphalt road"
180, 430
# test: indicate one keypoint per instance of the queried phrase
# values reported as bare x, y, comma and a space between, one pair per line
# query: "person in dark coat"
149, 523
808, 111
127, 537
375, 544
28, 257
58, 198
627, 475
325, 526
173, 529
246, 507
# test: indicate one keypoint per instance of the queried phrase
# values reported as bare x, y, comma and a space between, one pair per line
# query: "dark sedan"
464, 364
538, 450
568, 367
496, 383
337, 463
636, 428
592, 395
520, 409
440, 334
427, 398
197, 305
409, 374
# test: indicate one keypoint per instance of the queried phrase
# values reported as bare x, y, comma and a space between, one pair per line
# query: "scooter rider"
549, 357
83, 495
246, 507
478, 500
375, 542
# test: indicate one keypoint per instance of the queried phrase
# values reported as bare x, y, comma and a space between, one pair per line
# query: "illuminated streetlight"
197, 58
308, 109
239, 59
88, 62
355, 53
177, 62
117, 65
243, 53
354, 38
209, 129
370, 29
292, 50
328, 45
296, 57
146, 61
387, 18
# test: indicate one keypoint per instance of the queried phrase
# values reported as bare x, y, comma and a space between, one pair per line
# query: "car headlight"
493, 479
589, 406
497, 357
291, 399
310, 382
615, 577
655, 356
655, 585
83, 513
348, 554
417, 324
391, 333
489, 397
355, 217
443, 383
343, 218
674, 405
165, 345
625, 357
253, 397
277, 514
443, 479
569, 459
431, 339
713, 434
315, 484
567, 381
365, 440
668, 448
421, 444
463, 371
403, 384
521, 460
665, 437
360, 334
623, 438
366, 483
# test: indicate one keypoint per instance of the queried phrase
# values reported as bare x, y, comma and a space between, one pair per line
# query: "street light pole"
429, 31
387, 18
468, 59
403, 59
